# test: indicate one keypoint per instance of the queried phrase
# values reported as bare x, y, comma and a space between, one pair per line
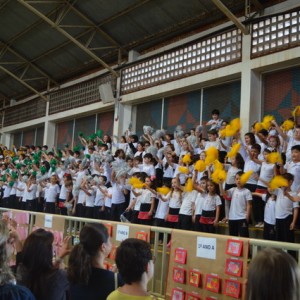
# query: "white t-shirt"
162, 209
149, 169
251, 165
118, 196
100, 197
188, 198
175, 199
230, 177
294, 168
238, 205
108, 199
199, 203
52, 192
90, 199
21, 185
266, 173
269, 216
30, 193
63, 192
284, 206
211, 202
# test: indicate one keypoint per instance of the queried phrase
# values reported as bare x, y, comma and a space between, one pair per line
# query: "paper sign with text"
206, 247
122, 232
48, 221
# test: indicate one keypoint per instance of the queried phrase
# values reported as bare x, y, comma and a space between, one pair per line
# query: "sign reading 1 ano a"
206, 247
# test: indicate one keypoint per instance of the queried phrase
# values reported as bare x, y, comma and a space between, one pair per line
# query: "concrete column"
251, 90
49, 133
7, 139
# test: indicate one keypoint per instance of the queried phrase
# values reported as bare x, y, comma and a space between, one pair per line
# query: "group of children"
180, 181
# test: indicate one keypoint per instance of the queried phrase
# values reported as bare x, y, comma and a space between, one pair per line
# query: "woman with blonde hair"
8, 288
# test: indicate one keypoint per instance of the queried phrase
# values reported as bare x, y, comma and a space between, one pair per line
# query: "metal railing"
157, 286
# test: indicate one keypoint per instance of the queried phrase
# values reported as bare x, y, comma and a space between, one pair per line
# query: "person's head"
203, 182
211, 187
37, 254
249, 138
238, 161
91, 251
289, 177
295, 153
274, 141
266, 152
53, 179
5, 275
147, 158
237, 179
129, 161
215, 114
102, 179
202, 155
276, 269
120, 153
134, 261
212, 135
255, 150
137, 160
297, 133
140, 146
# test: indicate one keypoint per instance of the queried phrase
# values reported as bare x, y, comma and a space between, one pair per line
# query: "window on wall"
148, 114
33, 136
225, 98
17, 140
39, 136
85, 125
281, 93
105, 122
182, 110
64, 133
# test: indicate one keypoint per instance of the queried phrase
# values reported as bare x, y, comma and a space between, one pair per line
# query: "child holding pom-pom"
210, 209
240, 207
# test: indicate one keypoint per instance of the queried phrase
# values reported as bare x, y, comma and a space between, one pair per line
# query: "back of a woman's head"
5, 273
273, 274
37, 253
132, 258
91, 237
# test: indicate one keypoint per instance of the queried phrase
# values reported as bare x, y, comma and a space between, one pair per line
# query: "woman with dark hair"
273, 274
87, 274
8, 288
37, 271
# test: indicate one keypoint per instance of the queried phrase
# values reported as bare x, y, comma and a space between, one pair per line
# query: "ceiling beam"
23, 83
231, 16
70, 37
28, 63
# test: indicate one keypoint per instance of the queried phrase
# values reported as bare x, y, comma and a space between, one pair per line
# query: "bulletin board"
205, 266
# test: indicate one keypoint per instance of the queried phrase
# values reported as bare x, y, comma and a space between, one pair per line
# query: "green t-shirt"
117, 295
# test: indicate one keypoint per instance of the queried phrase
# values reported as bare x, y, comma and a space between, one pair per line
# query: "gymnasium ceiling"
46, 43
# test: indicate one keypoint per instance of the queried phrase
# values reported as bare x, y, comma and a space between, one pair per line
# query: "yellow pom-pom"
164, 190
296, 111
234, 150
231, 129
266, 123
236, 123
287, 125
188, 185
183, 170
258, 127
187, 159
212, 154
245, 177
136, 183
218, 176
218, 165
200, 166
274, 158
277, 182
